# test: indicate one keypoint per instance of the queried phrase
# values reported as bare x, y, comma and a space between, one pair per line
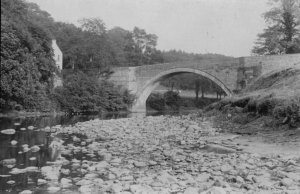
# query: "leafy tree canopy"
27, 66
282, 35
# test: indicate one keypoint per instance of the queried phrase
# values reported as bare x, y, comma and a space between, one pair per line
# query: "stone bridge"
231, 74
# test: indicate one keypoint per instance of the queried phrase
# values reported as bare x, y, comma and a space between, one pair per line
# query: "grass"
273, 100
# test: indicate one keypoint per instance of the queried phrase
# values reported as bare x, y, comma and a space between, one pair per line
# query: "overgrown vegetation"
274, 97
27, 66
82, 93
172, 101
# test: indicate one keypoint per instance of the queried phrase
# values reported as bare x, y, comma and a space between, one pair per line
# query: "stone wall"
252, 67
126, 77
272, 62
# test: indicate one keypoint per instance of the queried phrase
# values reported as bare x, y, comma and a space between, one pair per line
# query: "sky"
227, 27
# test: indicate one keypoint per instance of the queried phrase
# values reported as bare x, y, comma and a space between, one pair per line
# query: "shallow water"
24, 159
29, 180
10, 183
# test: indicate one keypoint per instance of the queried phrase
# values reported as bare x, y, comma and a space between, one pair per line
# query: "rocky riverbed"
163, 154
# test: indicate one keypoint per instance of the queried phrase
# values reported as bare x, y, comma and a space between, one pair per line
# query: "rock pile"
165, 154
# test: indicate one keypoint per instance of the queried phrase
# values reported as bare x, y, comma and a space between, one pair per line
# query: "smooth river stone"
26, 192
8, 131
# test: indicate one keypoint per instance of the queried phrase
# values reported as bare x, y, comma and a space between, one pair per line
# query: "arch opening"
143, 94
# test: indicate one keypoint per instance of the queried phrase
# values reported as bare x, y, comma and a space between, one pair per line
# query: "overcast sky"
226, 27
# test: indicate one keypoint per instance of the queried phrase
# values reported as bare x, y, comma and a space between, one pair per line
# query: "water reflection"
43, 121
23, 158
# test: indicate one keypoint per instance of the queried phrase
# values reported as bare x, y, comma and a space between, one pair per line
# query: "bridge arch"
143, 94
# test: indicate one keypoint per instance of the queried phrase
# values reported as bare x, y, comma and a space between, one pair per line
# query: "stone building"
58, 56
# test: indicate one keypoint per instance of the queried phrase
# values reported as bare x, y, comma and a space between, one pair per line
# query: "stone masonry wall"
125, 76
273, 62
252, 67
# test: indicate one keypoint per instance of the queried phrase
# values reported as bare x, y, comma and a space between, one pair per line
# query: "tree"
140, 47
118, 38
203, 84
81, 93
93, 25
87, 48
27, 65
282, 36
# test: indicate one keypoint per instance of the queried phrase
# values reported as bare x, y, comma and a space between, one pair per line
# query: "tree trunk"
197, 89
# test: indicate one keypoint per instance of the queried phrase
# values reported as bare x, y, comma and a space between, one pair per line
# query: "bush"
172, 99
168, 101
83, 93
243, 118
156, 101
265, 106
203, 102
241, 102
288, 113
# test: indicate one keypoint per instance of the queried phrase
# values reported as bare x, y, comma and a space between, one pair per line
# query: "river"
19, 147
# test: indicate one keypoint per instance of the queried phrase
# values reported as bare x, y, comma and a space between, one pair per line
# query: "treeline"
28, 68
93, 46
178, 55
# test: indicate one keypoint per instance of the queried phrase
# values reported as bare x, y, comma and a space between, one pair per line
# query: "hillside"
283, 84
272, 100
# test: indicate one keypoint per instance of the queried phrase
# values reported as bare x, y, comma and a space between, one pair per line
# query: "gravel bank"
165, 154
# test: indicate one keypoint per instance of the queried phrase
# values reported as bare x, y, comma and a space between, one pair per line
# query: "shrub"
156, 101
203, 102
83, 93
243, 118
168, 101
291, 112
265, 106
241, 102
172, 99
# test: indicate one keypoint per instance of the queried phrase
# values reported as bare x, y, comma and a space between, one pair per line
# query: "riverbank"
270, 102
182, 154
15, 114
164, 154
